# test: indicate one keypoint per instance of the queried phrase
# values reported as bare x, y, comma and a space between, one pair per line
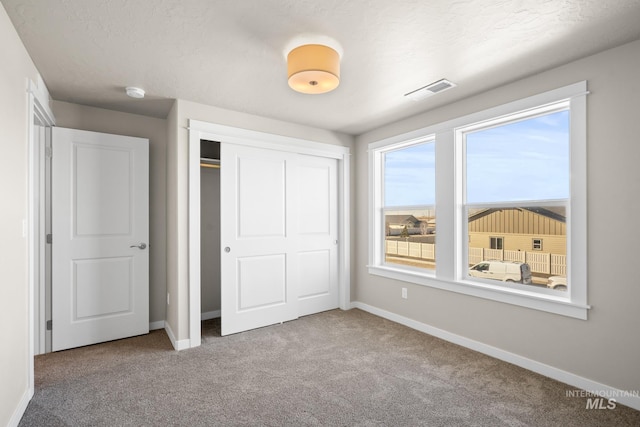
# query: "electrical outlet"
404, 293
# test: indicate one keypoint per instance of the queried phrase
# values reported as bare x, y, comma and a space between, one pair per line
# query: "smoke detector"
135, 92
430, 89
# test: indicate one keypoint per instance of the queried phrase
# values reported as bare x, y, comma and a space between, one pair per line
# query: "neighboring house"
394, 224
519, 229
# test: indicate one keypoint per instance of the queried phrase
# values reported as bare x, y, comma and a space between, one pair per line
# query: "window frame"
452, 235
534, 244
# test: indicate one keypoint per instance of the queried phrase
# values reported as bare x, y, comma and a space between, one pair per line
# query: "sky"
410, 176
524, 160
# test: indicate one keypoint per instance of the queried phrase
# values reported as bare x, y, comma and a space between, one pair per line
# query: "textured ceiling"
231, 53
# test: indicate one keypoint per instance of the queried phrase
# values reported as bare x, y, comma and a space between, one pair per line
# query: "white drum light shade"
313, 68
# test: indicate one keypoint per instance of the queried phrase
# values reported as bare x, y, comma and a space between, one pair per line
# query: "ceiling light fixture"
135, 92
313, 69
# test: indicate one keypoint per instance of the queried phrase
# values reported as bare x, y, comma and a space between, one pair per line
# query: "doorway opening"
210, 235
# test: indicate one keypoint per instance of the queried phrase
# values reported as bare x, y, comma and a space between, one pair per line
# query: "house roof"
401, 219
549, 212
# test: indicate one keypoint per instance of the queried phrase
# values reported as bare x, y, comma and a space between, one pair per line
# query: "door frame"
214, 132
38, 105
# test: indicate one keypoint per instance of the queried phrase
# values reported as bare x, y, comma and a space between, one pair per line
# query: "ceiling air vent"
430, 89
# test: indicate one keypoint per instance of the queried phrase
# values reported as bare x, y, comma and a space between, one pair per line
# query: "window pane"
410, 237
495, 242
409, 176
510, 258
524, 160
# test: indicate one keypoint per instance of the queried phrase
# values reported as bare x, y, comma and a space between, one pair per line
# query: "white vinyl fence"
411, 249
539, 262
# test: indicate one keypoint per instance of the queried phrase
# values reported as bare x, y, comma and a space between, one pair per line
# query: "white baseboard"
181, 344
22, 406
153, 326
210, 315
629, 398
177, 345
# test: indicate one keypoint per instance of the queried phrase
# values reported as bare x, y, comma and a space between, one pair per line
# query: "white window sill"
529, 299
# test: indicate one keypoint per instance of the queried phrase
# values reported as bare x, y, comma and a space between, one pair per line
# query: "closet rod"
209, 163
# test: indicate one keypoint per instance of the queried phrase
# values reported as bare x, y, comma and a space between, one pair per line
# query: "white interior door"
259, 238
318, 234
100, 258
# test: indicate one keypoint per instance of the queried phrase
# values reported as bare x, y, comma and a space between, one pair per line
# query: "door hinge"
49, 238
48, 151
49, 325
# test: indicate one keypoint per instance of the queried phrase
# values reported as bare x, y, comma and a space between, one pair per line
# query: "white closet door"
100, 226
318, 233
259, 237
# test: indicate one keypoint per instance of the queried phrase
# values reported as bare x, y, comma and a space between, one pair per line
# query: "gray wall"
16, 69
210, 240
605, 348
107, 121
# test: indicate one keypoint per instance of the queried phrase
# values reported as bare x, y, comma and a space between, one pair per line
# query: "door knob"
140, 246
227, 249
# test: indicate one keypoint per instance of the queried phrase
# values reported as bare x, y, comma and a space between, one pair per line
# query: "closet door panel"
317, 214
259, 237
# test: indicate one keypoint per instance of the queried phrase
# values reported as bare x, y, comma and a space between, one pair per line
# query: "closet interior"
210, 229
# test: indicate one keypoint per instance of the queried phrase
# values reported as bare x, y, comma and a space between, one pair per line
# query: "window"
495, 242
537, 244
516, 182
499, 183
409, 205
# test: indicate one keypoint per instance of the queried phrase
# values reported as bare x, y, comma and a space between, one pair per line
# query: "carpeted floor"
331, 369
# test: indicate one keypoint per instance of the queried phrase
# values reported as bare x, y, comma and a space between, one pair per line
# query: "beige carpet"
331, 369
